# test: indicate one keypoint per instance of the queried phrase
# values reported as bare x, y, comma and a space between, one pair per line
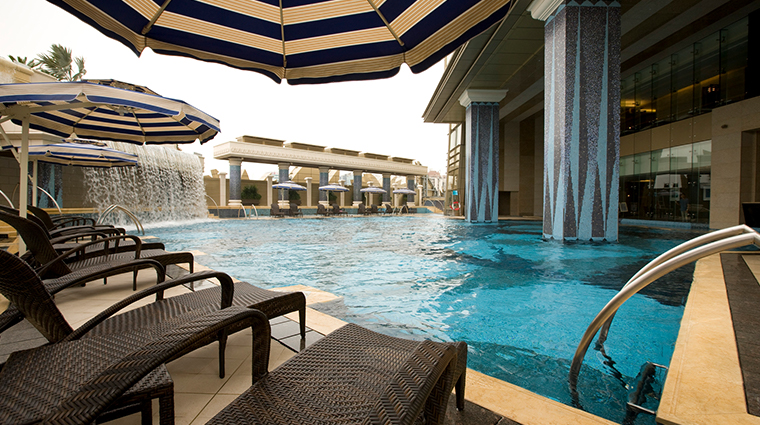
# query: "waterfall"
166, 185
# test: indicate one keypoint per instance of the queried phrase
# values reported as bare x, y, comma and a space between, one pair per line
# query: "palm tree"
57, 63
23, 61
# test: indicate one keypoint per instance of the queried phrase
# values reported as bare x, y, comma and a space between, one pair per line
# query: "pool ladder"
685, 253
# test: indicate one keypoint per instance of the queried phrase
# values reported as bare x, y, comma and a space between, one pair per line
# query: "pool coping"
704, 384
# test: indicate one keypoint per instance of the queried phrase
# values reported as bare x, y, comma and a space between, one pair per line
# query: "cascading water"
166, 185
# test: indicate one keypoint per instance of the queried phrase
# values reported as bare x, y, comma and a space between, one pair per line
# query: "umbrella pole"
35, 168
23, 175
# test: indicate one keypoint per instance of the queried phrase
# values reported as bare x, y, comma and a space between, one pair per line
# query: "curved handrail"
51, 198
7, 199
129, 213
255, 210
217, 205
642, 281
686, 246
245, 213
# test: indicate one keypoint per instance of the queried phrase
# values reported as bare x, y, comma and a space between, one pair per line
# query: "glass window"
644, 109
661, 91
707, 73
626, 165
628, 105
683, 83
642, 163
733, 46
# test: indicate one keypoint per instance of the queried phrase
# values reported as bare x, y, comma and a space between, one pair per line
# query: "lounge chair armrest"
95, 396
419, 384
228, 289
72, 237
138, 244
84, 229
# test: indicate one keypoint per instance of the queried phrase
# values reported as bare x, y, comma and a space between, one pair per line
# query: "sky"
381, 116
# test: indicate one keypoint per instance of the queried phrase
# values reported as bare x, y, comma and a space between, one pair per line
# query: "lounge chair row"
113, 364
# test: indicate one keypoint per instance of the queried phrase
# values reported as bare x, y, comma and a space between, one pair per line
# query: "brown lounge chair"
275, 211
337, 210
72, 223
33, 382
352, 376
294, 211
321, 210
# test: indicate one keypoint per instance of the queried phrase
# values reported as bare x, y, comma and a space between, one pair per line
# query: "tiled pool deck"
704, 385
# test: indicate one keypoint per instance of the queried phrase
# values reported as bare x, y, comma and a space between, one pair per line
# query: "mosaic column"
481, 154
387, 188
357, 187
410, 186
582, 121
282, 195
324, 180
235, 181
308, 191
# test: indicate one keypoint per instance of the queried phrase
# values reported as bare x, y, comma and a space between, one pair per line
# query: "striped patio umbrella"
82, 155
370, 190
288, 185
303, 41
98, 111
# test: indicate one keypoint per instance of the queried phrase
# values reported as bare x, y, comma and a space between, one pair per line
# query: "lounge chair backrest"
362, 209
24, 289
274, 208
388, 209
42, 215
293, 207
37, 240
335, 208
321, 209
30, 217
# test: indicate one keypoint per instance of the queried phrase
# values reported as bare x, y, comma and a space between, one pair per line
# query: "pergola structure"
287, 154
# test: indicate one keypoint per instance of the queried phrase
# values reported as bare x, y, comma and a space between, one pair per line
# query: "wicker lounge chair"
33, 382
294, 211
362, 210
53, 265
321, 210
72, 223
351, 376
275, 211
337, 210
388, 209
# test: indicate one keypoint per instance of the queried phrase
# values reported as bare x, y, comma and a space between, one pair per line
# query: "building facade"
671, 137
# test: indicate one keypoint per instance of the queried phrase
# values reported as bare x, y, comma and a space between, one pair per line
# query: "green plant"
293, 195
58, 63
250, 192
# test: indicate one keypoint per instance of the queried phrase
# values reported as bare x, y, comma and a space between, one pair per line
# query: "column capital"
308, 179
283, 166
543, 9
235, 161
476, 95
324, 169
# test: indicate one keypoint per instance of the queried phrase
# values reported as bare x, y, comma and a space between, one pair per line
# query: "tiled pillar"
308, 191
481, 154
282, 195
357, 187
410, 186
222, 189
235, 181
582, 121
387, 188
324, 176
270, 198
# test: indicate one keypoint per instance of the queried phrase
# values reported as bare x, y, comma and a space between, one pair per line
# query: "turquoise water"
520, 303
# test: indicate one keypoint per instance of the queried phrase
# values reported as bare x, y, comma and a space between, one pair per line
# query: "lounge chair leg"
134, 280
146, 412
222, 347
166, 409
302, 321
460, 391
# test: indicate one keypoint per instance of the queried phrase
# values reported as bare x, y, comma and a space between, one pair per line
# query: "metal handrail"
217, 205
51, 198
245, 213
686, 246
644, 279
255, 210
7, 199
129, 213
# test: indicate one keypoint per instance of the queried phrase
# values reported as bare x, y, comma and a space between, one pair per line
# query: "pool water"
520, 303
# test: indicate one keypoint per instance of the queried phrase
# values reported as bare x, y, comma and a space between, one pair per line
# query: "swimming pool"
520, 303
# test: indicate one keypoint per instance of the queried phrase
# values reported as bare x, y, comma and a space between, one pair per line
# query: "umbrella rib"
139, 124
387, 25
158, 13
282, 34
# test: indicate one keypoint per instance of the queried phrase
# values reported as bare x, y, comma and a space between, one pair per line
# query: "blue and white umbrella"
303, 41
370, 190
332, 188
98, 111
287, 185
82, 155
404, 191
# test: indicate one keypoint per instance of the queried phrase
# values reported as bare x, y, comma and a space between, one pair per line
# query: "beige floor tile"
213, 407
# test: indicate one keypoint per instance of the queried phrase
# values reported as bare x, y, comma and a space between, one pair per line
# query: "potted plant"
250, 195
294, 197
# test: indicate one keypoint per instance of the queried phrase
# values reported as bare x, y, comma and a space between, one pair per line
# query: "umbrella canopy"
83, 155
373, 189
105, 112
290, 185
404, 192
304, 41
333, 188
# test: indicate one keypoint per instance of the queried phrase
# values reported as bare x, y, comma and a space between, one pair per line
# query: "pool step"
645, 397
